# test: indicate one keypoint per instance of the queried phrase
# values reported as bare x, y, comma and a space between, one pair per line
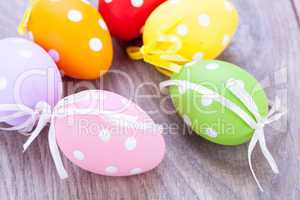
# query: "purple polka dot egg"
28, 75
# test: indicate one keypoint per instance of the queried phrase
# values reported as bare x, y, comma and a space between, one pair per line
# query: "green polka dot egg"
207, 96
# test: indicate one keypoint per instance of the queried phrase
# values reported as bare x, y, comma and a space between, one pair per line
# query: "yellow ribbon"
162, 53
22, 28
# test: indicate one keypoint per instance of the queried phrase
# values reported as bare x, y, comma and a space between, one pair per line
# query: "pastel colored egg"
126, 18
179, 31
127, 144
74, 34
28, 75
204, 113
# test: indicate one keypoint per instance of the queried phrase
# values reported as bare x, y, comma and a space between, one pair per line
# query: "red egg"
126, 18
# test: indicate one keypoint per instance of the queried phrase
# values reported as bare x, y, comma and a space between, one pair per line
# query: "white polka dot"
104, 135
102, 24
212, 66
233, 83
95, 44
75, 15
3, 83
78, 155
228, 6
107, 1
206, 100
211, 132
226, 40
204, 20
26, 53
182, 30
54, 55
187, 120
130, 144
85, 1
174, 1
111, 169
137, 3
136, 171
198, 56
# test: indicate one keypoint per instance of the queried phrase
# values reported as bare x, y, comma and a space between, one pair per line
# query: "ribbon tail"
251, 147
40, 126
267, 154
43, 121
55, 153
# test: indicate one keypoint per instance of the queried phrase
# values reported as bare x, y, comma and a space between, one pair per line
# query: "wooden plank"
267, 45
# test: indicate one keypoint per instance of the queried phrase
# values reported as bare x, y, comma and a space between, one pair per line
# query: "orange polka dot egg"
179, 31
73, 33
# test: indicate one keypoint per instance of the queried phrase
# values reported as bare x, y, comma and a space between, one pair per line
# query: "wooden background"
267, 45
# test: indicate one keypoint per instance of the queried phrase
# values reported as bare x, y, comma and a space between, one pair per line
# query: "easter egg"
108, 134
179, 31
28, 75
126, 18
74, 34
213, 114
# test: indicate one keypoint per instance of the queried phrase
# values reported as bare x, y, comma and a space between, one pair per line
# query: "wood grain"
267, 45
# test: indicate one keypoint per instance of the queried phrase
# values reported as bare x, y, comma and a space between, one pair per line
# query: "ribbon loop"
162, 52
17, 112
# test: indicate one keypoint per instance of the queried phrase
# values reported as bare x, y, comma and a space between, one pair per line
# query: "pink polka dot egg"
107, 134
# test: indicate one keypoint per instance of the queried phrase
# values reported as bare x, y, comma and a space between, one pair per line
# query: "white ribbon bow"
237, 89
38, 117
42, 115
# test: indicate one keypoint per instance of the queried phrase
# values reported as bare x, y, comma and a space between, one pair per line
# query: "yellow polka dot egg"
180, 31
73, 33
